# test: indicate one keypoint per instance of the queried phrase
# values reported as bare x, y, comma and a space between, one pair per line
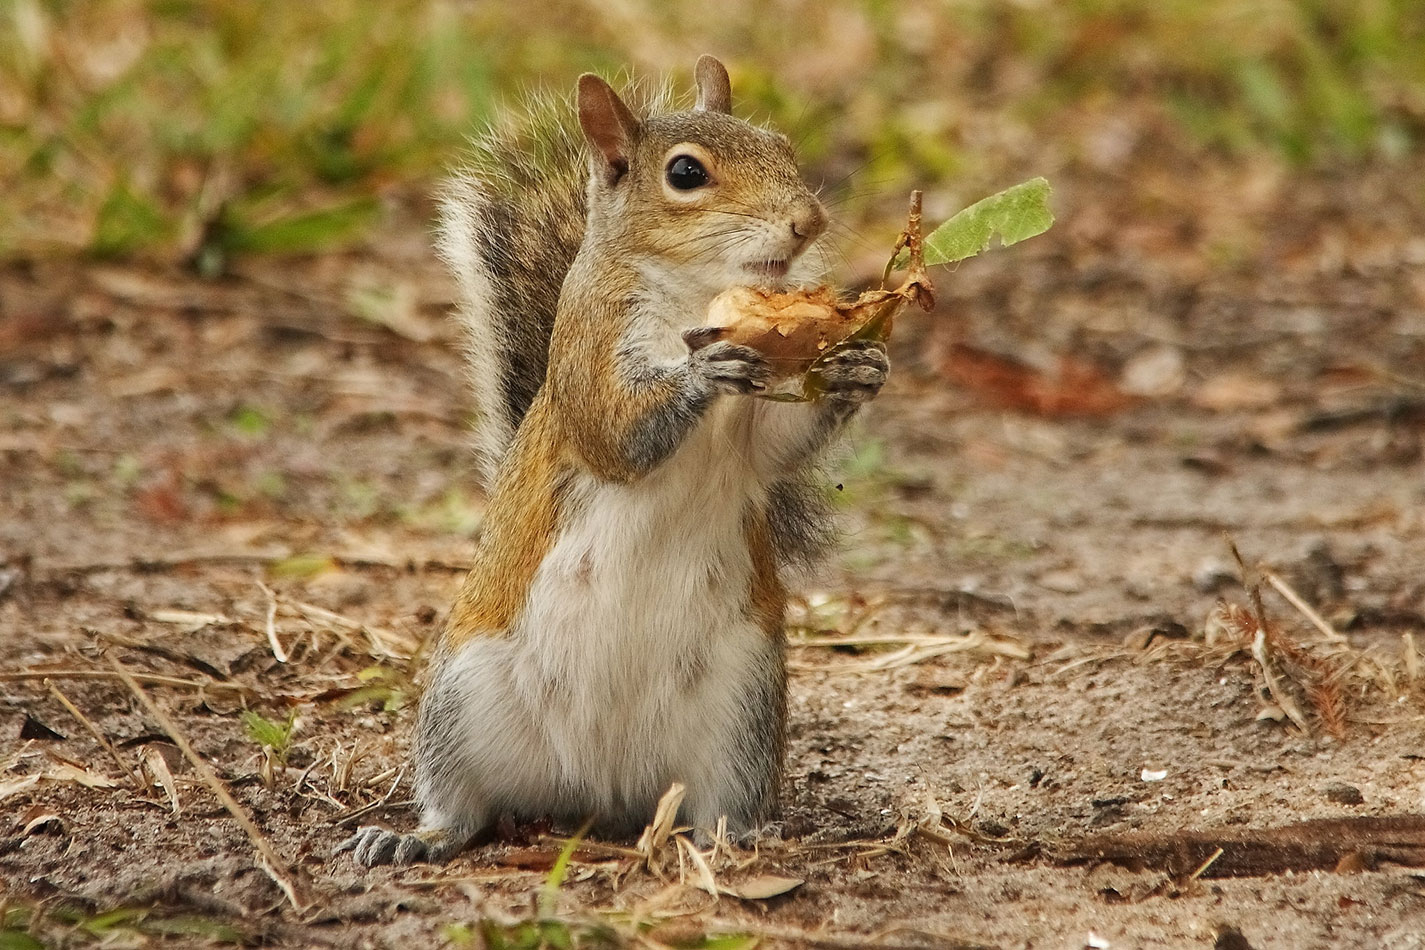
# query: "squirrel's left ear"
714, 88
608, 124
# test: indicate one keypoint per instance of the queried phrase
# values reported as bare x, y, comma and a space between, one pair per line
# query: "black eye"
686, 173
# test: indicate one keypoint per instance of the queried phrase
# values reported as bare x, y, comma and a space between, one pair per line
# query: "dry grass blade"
656, 835
1202, 868
1279, 695
383, 642
268, 858
85, 721
17, 785
271, 625
1295, 599
919, 647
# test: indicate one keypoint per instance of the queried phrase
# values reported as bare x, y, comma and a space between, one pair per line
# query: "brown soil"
1037, 505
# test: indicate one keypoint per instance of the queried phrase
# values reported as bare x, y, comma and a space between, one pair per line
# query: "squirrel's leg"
474, 756
738, 772
791, 434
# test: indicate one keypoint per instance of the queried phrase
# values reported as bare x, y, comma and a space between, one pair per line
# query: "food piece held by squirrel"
795, 330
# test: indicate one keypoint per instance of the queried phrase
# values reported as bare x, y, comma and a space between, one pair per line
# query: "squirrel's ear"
714, 88
608, 125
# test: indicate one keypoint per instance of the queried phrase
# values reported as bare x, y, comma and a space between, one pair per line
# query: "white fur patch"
630, 666
456, 242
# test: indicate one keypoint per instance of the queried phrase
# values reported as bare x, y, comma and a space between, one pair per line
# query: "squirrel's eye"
686, 173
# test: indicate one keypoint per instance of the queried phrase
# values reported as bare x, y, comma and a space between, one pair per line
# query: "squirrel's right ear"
714, 88
608, 125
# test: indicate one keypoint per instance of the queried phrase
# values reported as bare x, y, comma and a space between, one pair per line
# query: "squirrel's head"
719, 197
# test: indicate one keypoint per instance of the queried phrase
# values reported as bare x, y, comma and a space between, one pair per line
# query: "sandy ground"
1045, 750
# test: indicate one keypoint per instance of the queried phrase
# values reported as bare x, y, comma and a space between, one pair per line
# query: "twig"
1293, 598
276, 644
1202, 868
267, 857
84, 720
152, 679
1282, 698
802, 938
245, 559
219, 558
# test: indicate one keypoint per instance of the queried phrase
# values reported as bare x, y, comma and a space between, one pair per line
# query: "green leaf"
193, 925
126, 222
250, 421
550, 893
18, 940
303, 231
1015, 214
729, 942
459, 934
555, 934
301, 567
276, 736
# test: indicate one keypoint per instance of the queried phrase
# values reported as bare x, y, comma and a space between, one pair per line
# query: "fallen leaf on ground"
1076, 389
762, 887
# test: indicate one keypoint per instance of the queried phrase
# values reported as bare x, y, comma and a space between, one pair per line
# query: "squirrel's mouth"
772, 270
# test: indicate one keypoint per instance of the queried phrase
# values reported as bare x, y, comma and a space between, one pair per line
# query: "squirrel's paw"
371, 846
727, 366
855, 371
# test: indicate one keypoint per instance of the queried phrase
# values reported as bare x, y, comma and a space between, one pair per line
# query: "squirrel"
622, 626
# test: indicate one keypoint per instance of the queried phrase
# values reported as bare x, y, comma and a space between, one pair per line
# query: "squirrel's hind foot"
373, 845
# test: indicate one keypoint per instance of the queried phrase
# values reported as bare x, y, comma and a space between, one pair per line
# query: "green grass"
201, 130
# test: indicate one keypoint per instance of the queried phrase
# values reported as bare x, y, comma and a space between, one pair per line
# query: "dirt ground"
1045, 749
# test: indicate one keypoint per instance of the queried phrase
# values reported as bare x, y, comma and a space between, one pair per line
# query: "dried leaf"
795, 330
37, 818
157, 767
762, 887
661, 829
702, 874
187, 618
17, 785
1076, 389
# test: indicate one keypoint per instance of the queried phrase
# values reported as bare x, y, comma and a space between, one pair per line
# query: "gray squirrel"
622, 626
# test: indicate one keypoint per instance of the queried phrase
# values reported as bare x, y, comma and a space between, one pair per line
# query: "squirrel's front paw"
855, 371
727, 366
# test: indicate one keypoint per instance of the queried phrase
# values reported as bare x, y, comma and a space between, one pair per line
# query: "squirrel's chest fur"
645, 590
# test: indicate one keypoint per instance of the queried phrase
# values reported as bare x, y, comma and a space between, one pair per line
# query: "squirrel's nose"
807, 224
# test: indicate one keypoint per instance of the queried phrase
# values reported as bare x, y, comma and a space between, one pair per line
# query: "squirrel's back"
511, 221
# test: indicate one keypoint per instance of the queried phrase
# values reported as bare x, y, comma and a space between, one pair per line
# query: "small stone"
1343, 794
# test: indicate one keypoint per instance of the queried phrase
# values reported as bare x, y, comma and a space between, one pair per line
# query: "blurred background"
193, 131
230, 391
218, 298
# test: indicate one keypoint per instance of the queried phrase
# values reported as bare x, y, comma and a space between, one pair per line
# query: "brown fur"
517, 535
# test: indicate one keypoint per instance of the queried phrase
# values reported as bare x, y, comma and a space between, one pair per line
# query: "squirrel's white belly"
636, 643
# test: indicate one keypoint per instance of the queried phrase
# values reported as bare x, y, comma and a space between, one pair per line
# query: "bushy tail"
511, 221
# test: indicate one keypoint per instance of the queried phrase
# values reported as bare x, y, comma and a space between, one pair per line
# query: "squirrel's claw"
730, 366
855, 371
371, 846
